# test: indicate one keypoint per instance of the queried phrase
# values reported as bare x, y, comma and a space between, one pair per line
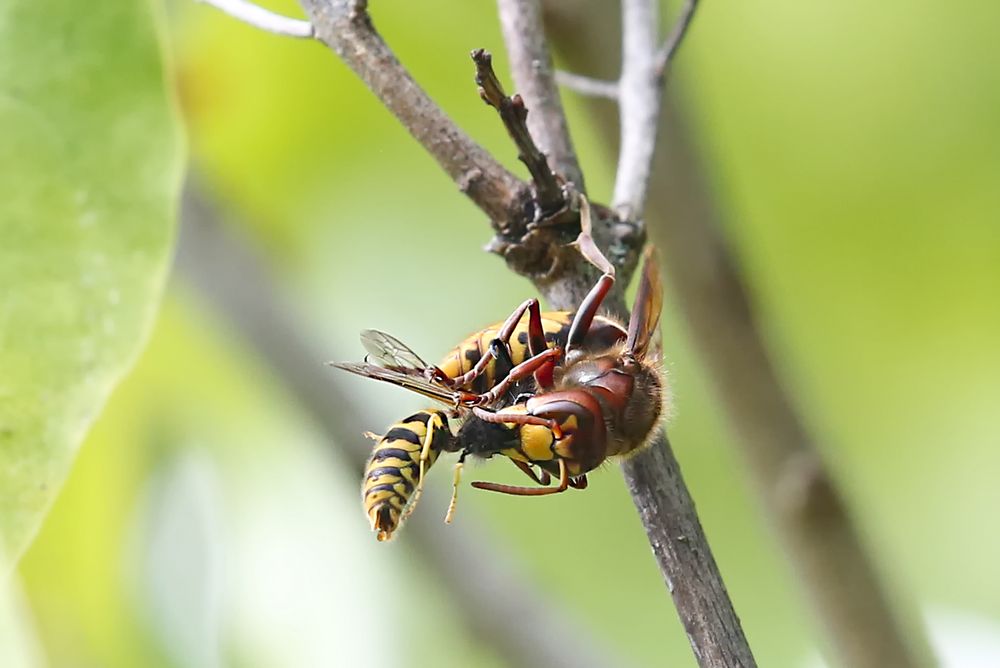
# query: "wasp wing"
644, 322
412, 380
390, 352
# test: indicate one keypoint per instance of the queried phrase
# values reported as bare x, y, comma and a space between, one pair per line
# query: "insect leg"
520, 372
500, 351
517, 418
544, 479
537, 346
529, 491
450, 515
585, 241
580, 482
543, 374
433, 425
588, 309
506, 331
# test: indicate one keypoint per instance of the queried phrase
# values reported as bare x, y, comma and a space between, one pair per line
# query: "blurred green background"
855, 148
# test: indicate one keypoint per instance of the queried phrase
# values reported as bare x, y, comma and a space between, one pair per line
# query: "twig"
566, 279
531, 66
513, 114
264, 19
666, 53
496, 607
587, 85
681, 549
639, 93
660, 494
344, 26
799, 497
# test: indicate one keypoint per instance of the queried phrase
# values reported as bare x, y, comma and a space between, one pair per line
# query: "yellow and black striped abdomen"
603, 333
465, 355
393, 471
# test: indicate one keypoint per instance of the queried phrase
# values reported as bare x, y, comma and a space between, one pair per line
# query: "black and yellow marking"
393, 480
528, 443
465, 355
393, 476
603, 333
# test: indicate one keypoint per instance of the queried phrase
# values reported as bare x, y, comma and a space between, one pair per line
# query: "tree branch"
653, 476
264, 19
639, 93
587, 85
673, 42
497, 609
513, 114
681, 548
344, 26
799, 497
534, 76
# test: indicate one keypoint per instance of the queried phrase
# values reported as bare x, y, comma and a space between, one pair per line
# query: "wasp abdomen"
393, 472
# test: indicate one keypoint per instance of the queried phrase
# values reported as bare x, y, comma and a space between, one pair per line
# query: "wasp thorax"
584, 371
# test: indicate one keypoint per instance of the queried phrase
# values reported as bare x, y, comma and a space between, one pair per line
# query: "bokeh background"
855, 151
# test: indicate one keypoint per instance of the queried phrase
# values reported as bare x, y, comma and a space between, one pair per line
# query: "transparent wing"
411, 379
388, 351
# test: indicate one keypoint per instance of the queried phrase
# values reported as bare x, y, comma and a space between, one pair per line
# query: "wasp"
600, 398
598, 404
402, 456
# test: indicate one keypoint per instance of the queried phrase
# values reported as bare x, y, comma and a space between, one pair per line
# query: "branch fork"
538, 248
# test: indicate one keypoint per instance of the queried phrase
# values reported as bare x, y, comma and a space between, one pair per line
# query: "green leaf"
90, 165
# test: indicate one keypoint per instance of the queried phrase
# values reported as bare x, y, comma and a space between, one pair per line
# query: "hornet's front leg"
536, 344
564, 483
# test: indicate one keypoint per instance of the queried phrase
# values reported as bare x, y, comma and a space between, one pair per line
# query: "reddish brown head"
627, 380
